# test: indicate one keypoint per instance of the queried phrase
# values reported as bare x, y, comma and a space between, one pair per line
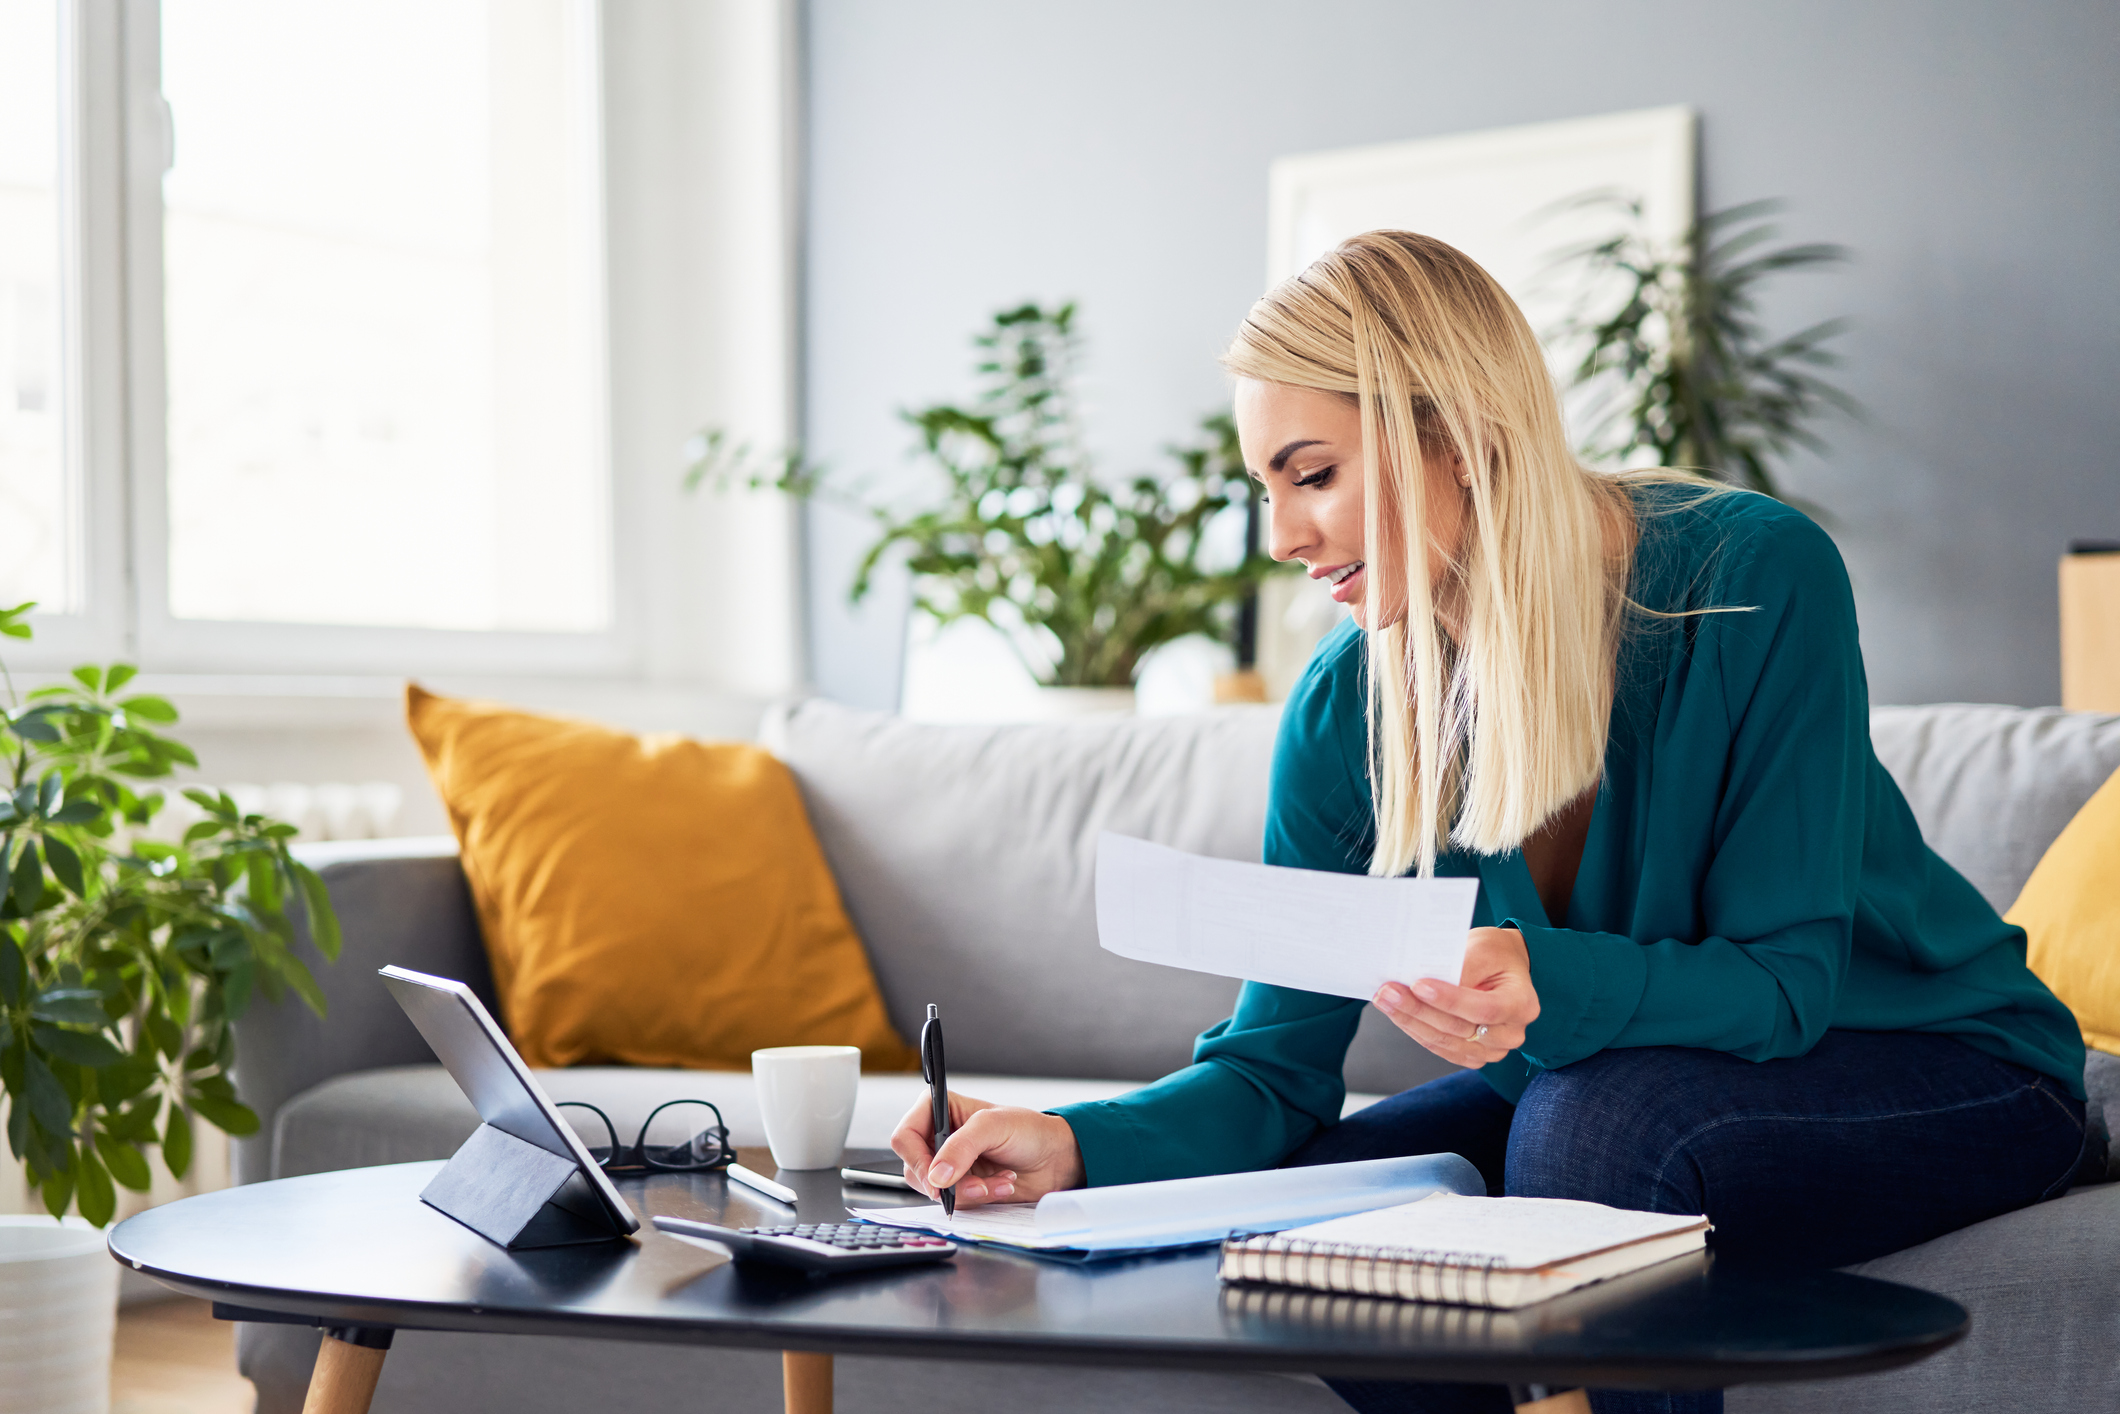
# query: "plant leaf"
136, 1125
27, 886
150, 709
14, 973
126, 1163
323, 919
290, 967
93, 1194
57, 1189
229, 1116
48, 1103
80, 1047
229, 949
66, 865
176, 1141
235, 990
35, 725
70, 1006
131, 1075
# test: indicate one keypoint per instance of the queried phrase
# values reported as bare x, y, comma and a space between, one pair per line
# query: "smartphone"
884, 1173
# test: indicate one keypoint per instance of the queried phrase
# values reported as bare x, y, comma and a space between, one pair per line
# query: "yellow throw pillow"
2070, 912
647, 900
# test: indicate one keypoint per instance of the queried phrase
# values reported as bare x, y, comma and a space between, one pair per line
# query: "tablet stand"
511, 1192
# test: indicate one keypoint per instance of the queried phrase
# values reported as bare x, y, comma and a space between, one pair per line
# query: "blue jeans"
1872, 1142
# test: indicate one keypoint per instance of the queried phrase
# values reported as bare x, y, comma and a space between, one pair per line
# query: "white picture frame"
1485, 192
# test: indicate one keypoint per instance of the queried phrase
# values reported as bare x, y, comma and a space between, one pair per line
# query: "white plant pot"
58, 1313
1055, 704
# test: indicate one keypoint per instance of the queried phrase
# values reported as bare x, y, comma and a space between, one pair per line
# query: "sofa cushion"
967, 858
1992, 786
2070, 913
405, 1113
2046, 1318
646, 900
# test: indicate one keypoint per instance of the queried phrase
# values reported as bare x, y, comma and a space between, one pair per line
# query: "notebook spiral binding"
1411, 1274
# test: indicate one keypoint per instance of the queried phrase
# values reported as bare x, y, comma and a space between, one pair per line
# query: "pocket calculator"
819, 1247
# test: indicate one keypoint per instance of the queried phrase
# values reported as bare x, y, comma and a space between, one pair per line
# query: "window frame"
92, 368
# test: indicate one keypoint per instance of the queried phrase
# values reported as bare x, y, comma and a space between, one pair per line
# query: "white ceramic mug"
806, 1098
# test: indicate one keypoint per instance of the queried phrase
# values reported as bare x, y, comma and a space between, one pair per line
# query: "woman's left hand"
1494, 992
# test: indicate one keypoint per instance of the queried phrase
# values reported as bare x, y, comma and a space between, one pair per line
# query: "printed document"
1342, 934
1178, 1212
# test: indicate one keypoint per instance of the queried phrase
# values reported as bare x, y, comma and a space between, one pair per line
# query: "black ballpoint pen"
937, 1076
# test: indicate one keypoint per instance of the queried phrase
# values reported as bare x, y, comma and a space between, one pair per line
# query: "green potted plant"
124, 960
1675, 368
1082, 574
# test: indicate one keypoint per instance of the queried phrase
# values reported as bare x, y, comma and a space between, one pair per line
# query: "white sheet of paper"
1342, 934
1013, 1223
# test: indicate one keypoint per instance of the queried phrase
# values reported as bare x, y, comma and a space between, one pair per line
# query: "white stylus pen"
759, 1183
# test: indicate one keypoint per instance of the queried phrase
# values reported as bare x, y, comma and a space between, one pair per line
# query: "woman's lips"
1345, 587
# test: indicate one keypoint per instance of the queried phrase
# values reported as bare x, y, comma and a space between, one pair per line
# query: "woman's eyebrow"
1280, 458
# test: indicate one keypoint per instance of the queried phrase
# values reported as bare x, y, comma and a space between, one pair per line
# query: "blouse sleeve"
1785, 730
1269, 1077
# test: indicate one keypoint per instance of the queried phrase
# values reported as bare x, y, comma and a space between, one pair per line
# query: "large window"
331, 344
383, 302
302, 334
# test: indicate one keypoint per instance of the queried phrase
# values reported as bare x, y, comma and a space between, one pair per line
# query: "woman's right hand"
995, 1153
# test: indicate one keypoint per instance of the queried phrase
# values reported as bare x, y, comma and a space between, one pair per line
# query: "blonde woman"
1716, 969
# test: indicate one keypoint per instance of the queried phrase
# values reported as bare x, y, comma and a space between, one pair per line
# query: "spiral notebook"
1494, 1252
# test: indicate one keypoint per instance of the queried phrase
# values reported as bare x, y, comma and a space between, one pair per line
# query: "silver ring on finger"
1479, 1033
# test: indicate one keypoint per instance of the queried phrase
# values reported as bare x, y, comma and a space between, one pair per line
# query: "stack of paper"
1183, 1212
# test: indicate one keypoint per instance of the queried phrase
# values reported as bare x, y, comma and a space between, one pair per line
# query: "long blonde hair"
1480, 738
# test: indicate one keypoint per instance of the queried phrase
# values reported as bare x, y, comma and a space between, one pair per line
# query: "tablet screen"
485, 1066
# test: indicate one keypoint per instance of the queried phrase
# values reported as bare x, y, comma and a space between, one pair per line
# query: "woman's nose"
1288, 533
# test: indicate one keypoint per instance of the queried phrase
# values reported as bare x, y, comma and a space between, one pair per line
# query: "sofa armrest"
400, 901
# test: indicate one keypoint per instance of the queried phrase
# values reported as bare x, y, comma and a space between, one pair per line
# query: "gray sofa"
965, 858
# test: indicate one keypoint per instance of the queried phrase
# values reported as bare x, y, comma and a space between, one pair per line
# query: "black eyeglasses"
708, 1149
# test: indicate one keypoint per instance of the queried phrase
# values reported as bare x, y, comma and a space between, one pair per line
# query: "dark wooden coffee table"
356, 1253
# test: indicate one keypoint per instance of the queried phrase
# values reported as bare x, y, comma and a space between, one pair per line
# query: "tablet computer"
484, 1064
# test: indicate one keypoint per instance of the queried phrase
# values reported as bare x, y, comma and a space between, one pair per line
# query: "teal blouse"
1752, 875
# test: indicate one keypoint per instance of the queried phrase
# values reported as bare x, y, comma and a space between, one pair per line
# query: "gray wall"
969, 153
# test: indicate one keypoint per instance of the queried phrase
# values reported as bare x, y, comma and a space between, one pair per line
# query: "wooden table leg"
346, 1371
805, 1382
1568, 1401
